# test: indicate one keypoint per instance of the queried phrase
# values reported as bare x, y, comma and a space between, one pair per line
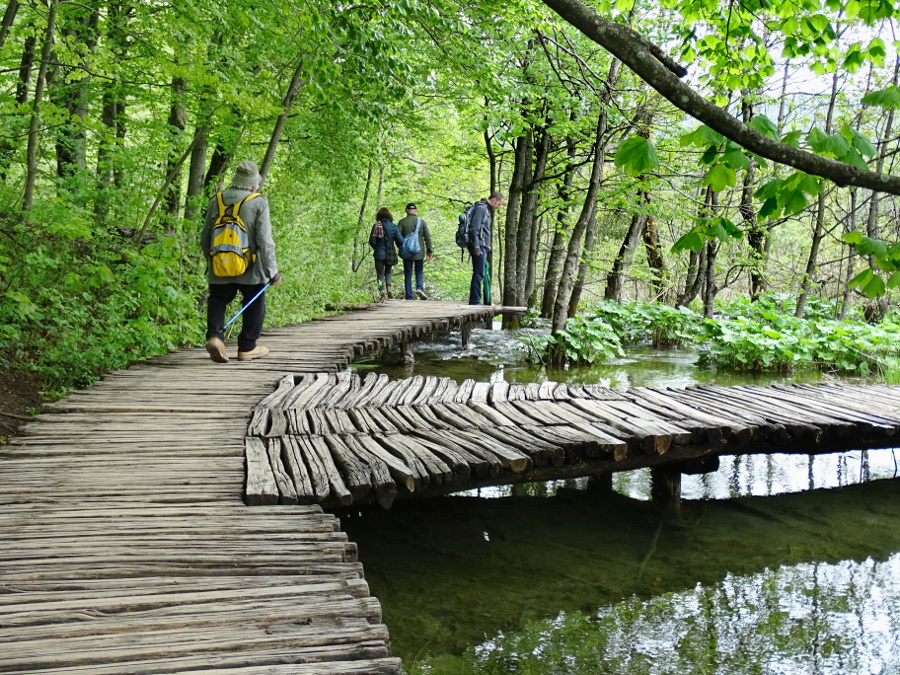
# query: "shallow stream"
778, 564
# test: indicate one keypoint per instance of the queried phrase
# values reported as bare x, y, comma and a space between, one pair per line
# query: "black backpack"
462, 230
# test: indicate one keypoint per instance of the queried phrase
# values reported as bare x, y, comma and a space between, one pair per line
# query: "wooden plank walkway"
127, 547
339, 440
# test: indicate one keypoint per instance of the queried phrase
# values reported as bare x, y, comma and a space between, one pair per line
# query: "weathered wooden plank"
383, 485
433, 470
260, 487
287, 494
319, 452
401, 473
511, 458
296, 465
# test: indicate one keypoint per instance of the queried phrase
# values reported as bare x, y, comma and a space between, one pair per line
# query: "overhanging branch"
645, 60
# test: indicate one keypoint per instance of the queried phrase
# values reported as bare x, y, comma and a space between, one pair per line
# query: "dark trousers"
476, 288
408, 266
251, 320
385, 275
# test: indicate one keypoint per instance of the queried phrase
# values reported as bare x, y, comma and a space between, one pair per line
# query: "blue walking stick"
241, 311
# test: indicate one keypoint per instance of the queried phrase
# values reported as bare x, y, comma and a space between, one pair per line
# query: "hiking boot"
216, 349
254, 353
421, 294
390, 295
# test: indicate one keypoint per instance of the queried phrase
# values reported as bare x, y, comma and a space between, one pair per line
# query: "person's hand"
476, 252
276, 279
428, 258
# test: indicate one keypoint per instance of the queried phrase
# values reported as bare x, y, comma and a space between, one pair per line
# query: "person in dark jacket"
480, 241
408, 225
250, 284
382, 239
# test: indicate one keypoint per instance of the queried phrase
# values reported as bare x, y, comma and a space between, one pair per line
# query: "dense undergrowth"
754, 337
79, 303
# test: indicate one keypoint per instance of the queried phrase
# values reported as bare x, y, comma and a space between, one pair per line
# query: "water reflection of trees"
813, 618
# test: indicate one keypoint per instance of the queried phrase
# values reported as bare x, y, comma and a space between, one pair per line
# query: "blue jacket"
380, 244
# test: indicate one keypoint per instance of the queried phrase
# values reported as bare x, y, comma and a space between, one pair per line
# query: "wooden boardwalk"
336, 439
127, 547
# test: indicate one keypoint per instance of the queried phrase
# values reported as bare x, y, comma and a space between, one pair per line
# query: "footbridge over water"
339, 440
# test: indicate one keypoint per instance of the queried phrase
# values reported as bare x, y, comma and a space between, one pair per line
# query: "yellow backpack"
230, 250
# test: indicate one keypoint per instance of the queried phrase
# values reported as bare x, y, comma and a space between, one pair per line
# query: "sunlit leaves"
719, 177
786, 196
765, 126
847, 146
885, 98
870, 284
709, 228
636, 156
885, 259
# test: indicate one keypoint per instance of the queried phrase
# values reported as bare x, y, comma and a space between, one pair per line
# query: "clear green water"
779, 564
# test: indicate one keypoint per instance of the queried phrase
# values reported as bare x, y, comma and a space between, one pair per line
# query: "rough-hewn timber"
127, 547
337, 439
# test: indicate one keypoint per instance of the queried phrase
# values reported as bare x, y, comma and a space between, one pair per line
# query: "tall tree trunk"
615, 278
33, 131
105, 155
696, 275
756, 232
7, 145
851, 256
656, 260
573, 254
9, 16
177, 124
71, 93
711, 288
528, 218
525, 225
360, 250
286, 104
695, 280
819, 226
193, 202
590, 237
557, 252
875, 198
222, 156
513, 203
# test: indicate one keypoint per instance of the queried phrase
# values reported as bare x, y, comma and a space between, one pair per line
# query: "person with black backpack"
479, 240
237, 244
382, 239
414, 256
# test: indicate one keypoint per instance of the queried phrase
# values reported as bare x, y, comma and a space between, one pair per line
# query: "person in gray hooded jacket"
480, 243
263, 269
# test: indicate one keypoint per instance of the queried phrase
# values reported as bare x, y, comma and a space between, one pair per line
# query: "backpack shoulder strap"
222, 206
252, 195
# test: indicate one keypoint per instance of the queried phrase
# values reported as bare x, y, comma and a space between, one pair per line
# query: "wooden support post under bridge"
665, 490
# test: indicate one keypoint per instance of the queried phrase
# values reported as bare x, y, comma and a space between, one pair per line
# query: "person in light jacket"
263, 269
480, 241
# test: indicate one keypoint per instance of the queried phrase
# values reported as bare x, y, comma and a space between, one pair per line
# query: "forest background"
677, 151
